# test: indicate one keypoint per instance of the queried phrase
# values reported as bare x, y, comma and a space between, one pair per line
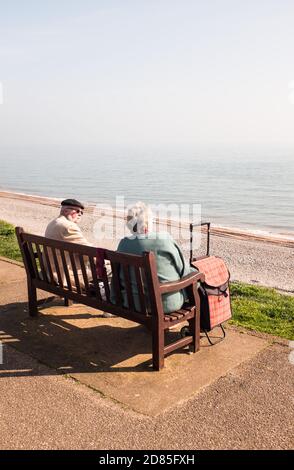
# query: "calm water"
252, 188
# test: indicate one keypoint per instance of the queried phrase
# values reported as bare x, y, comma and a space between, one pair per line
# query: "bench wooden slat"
185, 311
95, 279
49, 267
66, 246
176, 315
172, 317
124, 258
116, 283
75, 272
84, 272
179, 314
128, 287
140, 288
33, 260
57, 267
65, 269
41, 262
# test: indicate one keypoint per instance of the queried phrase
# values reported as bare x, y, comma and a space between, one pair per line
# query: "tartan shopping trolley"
215, 302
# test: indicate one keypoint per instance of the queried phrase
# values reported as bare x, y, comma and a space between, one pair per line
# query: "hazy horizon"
150, 73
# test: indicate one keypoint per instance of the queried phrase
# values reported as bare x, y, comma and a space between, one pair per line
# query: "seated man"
65, 228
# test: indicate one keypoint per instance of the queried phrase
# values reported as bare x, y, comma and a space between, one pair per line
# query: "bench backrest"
69, 269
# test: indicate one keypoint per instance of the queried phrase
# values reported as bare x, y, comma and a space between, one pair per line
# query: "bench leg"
67, 302
33, 306
197, 331
158, 348
194, 326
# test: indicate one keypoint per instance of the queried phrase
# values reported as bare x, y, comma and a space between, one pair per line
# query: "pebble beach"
251, 258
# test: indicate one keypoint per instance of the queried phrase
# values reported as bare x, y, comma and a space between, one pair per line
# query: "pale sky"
139, 72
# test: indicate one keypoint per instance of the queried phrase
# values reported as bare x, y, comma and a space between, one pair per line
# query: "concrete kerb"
12, 261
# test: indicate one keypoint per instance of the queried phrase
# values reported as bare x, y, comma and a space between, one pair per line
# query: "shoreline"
251, 258
281, 239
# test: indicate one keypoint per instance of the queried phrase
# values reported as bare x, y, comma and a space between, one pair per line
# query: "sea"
247, 188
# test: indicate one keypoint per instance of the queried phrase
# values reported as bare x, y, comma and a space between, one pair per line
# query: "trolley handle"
192, 225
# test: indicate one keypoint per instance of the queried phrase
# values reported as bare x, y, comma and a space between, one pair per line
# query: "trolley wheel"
185, 331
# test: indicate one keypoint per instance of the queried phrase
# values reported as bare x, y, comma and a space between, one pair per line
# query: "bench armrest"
182, 283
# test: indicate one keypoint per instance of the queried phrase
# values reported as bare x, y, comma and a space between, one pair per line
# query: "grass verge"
263, 309
8, 242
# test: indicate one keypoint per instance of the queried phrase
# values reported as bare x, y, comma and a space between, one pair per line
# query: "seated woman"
171, 265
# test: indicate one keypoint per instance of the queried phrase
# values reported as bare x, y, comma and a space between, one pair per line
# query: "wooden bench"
46, 264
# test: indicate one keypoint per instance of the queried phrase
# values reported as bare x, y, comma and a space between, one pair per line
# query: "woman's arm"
181, 265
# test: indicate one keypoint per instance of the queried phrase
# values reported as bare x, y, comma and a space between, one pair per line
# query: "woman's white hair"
139, 218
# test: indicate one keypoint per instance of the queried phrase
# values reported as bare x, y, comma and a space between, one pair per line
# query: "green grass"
8, 242
263, 309
256, 308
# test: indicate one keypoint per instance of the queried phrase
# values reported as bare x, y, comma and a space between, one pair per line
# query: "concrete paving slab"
10, 272
182, 377
42, 410
15, 292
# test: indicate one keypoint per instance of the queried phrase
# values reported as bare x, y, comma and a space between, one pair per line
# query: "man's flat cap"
72, 202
